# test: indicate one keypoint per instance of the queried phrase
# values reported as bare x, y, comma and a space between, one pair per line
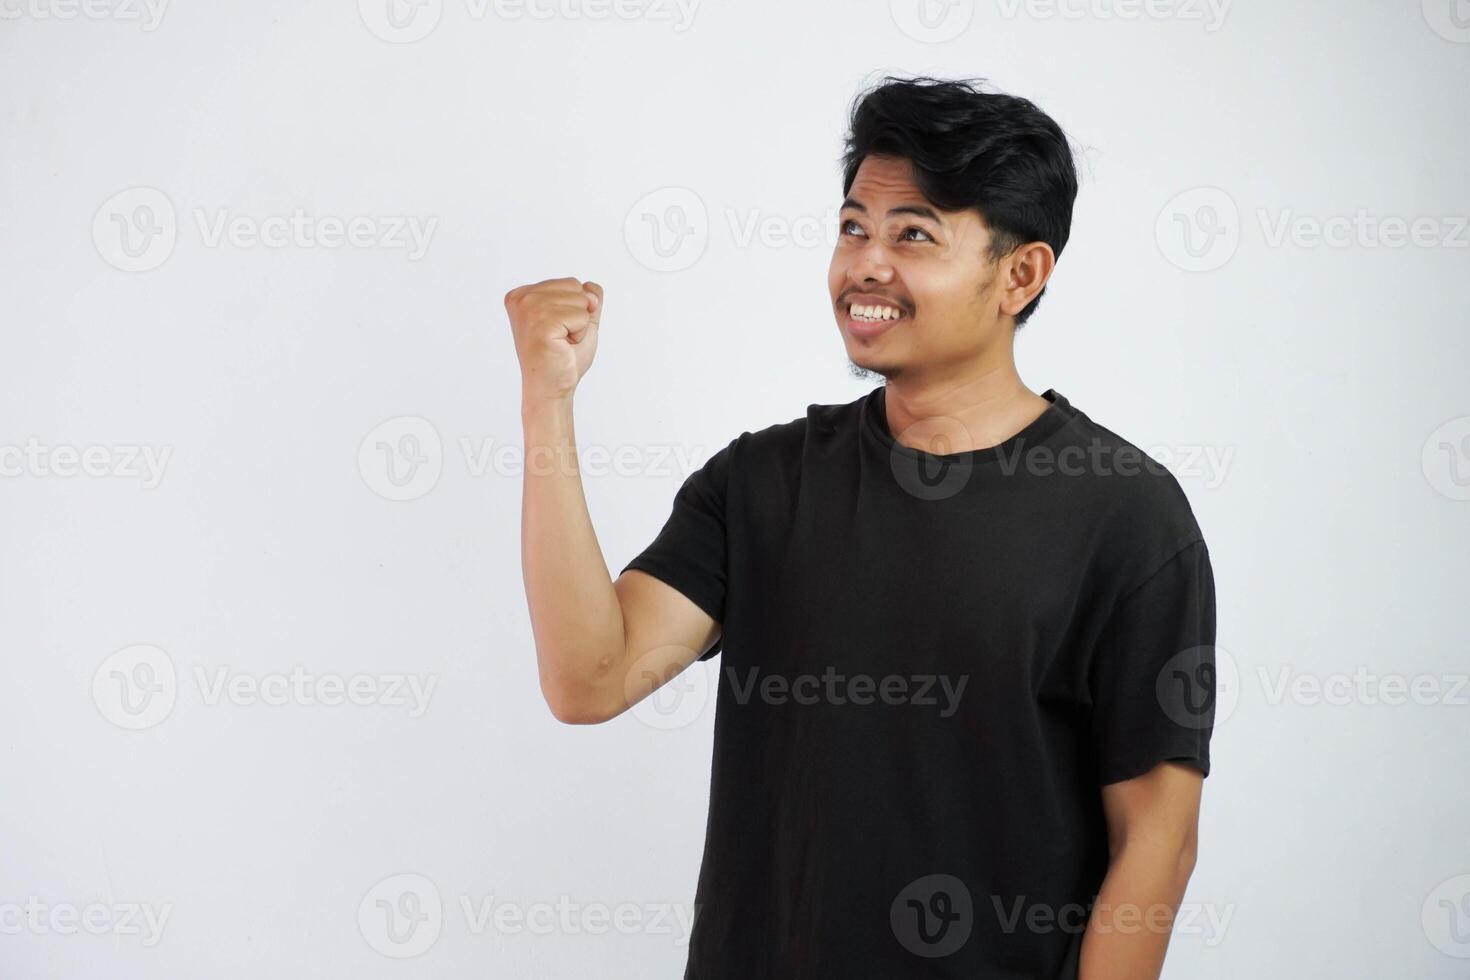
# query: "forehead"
885, 176
885, 184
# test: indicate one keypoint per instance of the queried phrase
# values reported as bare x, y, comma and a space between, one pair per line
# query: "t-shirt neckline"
1056, 415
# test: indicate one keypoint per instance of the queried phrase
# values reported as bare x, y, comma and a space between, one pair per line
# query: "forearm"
575, 616
1128, 931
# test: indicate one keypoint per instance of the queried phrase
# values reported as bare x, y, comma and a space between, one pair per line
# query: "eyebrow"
917, 209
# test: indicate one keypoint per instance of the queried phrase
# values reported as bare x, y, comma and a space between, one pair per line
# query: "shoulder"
769, 459
784, 442
1136, 504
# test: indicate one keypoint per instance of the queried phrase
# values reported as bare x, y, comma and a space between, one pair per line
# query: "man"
967, 695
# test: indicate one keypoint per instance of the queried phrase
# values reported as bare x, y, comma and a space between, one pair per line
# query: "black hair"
996, 153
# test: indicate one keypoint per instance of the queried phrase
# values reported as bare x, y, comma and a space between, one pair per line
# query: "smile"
867, 320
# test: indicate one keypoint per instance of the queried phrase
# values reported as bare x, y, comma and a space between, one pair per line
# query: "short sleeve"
1152, 679
689, 553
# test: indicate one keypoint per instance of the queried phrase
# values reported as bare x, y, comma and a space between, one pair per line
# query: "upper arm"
672, 594
1158, 810
663, 633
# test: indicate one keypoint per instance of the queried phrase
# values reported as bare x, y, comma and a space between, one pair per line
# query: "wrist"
536, 406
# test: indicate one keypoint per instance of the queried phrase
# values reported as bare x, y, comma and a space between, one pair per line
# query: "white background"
1329, 384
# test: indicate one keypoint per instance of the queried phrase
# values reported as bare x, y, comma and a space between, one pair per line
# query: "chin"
863, 374
869, 368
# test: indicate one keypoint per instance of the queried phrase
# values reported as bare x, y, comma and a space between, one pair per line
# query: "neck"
990, 403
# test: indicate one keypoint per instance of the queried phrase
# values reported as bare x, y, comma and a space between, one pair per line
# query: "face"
945, 301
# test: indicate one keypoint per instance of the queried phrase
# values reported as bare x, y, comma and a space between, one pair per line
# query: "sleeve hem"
1133, 768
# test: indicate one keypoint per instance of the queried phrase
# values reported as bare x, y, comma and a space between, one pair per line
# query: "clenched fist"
555, 328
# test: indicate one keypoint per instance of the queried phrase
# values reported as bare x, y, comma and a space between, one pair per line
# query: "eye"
851, 223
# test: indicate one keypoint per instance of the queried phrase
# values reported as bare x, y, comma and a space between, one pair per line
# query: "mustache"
904, 305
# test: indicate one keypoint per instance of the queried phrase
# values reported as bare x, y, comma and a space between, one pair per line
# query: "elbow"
578, 705
574, 717
575, 711
579, 699
579, 716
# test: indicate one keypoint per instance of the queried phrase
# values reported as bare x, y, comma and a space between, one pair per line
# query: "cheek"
931, 290
836, 272
952, 289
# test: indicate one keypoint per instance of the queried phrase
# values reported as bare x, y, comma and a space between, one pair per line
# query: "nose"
870, 265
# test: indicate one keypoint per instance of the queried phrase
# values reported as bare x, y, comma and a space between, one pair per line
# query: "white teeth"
875, 312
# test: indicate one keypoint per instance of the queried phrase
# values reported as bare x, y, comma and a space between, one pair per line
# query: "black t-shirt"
932, 664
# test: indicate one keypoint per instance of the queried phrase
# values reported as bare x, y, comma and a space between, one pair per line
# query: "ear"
1025, 273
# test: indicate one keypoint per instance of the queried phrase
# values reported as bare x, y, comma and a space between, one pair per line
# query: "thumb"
594, 302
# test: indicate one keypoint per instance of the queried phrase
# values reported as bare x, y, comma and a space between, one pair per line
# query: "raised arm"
600, 646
